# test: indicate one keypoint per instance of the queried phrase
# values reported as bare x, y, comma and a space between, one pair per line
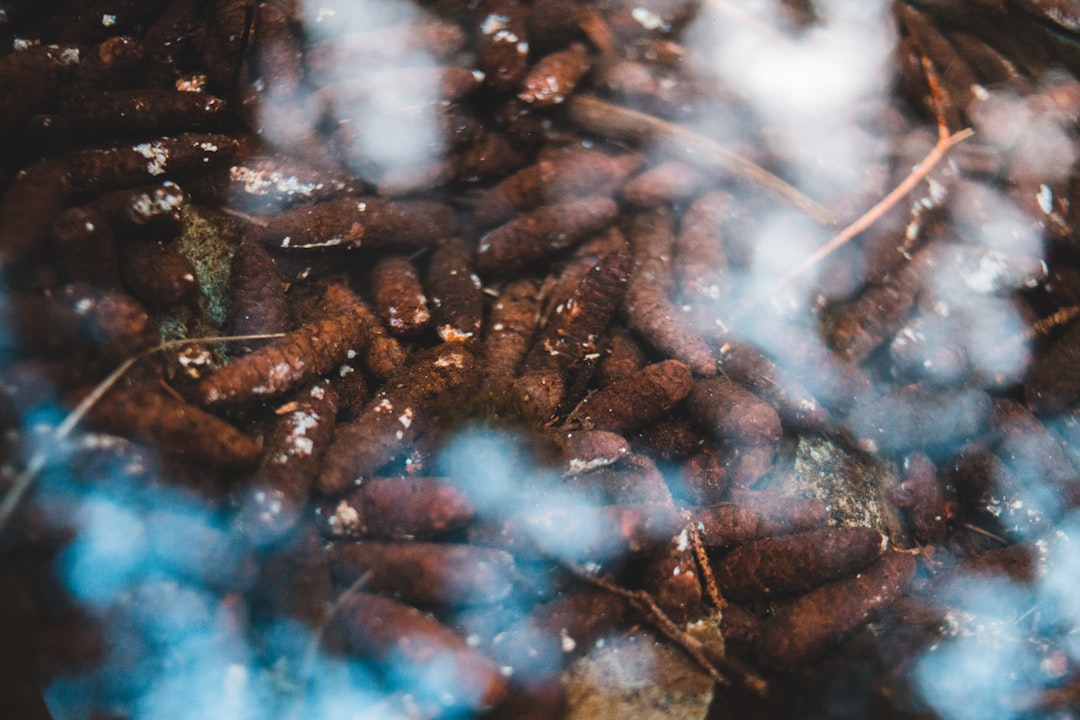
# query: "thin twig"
1060, 317
37, 461
621, 123
917, 174
872, 215
1056, 319
245, 217
693, 647
985, 533
704, 566
1027, 613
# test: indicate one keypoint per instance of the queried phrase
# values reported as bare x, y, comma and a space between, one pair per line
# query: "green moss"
203, 242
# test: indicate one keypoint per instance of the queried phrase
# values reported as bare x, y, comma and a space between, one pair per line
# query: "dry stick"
619, 123
1026, 614
704, 566
920, 171
872, 215
37, 460
1048, 323
1058, 318
245, 217
645, 604
985, 533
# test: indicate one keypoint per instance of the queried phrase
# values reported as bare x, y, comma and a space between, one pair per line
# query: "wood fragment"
432, 661
666, 183
756, 514
647, 307
127, 165
789, 564
34, 465
945, 142
158, 274
635, 401
502, 43
133, 113
182, 429
671, 438
426, 574
1053, 383
629, 479
739, 419
395, 416
456, 294
272, 501
623, 357
514, 319
703, 478
297, 358
554, 77
537, 395
119, 326
257, 295
671, 577
86, 247
818, 621
150, 209
700, 261
359, 222
28, 209
399, 297
922, 494
585, 450
396, 508
382, 355
542, 233
264, 182
858, 329
574, 331
794, 403
563, 174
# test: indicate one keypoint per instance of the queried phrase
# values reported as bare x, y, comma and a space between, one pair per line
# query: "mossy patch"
206, 243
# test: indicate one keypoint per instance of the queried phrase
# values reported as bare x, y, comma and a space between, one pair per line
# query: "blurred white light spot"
345, 520
1045, 198
648, 19
156, 154
568, 643
493, 23
236, 680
